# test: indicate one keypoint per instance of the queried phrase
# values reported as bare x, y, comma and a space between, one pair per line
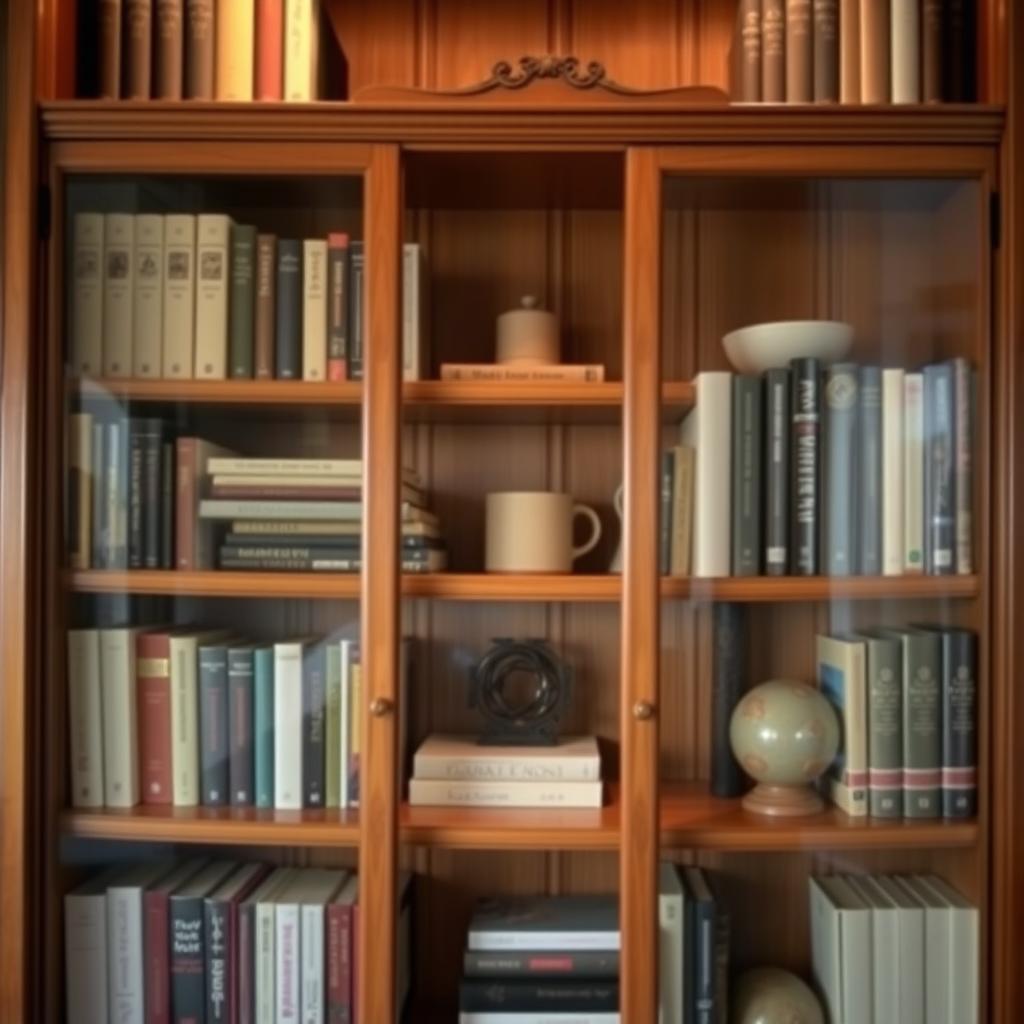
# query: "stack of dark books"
547, 958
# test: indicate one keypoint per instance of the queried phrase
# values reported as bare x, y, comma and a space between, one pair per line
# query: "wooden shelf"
455, 586
690, 818
423, 401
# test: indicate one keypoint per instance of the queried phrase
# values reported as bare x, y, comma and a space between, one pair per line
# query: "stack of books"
307, 515
454, 771
894, 948
542, 959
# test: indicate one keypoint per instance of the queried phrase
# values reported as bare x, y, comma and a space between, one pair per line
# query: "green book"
885, 726
242, 300
332, 753
263, 725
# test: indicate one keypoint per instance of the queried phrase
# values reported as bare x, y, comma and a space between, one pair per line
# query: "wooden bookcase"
652, 228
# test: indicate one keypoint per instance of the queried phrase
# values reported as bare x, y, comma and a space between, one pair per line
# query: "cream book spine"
288, 726
885, 948
314, 309
892, 472
905, 44
120, 720
179, 295
265, 960
184, 720
913, 473
235, 49
301, 50
962, 973
671, 951
85, 953
572, 759
470, 793
85, 714
147, 307
412, 311
87, 296
213, 238
287, 953
118, 292
910, 959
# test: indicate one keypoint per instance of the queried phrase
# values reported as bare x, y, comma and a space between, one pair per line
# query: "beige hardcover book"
213, 237
147, 307
412, 311
80, 485
471, 793
874, 52
571, 759
905, 44
85, 718
584, 372
120, 721
314, 309
235, 39
849, 50
682, 509
179, 282
301, 50
87, 296
118, 292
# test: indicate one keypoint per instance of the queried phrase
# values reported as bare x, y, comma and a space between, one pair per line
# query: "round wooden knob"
381, 706
642, 710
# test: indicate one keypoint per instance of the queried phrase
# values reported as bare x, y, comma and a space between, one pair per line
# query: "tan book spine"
147, 306
931, 51
799, 52
314, 309
186, 502
179, 280
874, 52
185, 720
213, 237
465, 793
199, 50
110, 49
682, 500
235, 48
138, 31
905, 42
301, 50
263, 331
118, 293
591, 373
169, 47
87, 295
826, 51
849, 50
750, 50
773, 51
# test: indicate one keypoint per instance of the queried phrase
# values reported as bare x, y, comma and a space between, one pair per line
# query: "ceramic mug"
616, 565
527, 336
531, 531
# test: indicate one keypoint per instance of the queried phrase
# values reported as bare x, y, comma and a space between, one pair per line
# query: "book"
288, 309
931, 50
805, 459
85, 718
118, 292
749, 15
937, 947
155, 509
841, 949
842, 680
167, 501
875, 56
963, 464
179, 282
200, 51
265, 315
322, 886
892, 472
120, 721
323, 561
263, 725
116, 480
86, 321
671, 956
412, 311
825, 56
519, 964
138, 68
242, 301
193, 538
153, 681
213, 724
288, 731
213, 239
314, 309
80, 487
939, 470
516, 996
728, 682
885, 725
905, 43
246, 929
350, 469
357, 298
85, 952
241, 740
349, 532
849, 51
109, 15
589, 372
869, 471
681, 511
265, 952
668, 469
333, 772
910, 937
337, 306
301, 50
885, 946
340, 915
776, 475
913, 473
959, 51
571, 759
168, 49
349, 729
312, 511
746, 475
799, 52
287, 952
545, 923
475, 793
569, 1017
314, 692
959, 716
839, 542
98, 554
234, 39
773, 51
708, 935
134, 494
269, 73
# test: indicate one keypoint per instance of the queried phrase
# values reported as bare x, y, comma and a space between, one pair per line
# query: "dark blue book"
701, 992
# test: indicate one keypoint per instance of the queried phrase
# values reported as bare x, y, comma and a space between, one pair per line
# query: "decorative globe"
770, 995
784, 734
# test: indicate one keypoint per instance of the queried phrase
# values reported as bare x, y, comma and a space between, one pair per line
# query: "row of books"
907, 704
855, 51
189, 717
849, 470
205, 50
187, 295
217, 940
894, 948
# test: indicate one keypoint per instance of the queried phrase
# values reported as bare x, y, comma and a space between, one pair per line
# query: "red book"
153, 679
337, 306
340, 945
269, 49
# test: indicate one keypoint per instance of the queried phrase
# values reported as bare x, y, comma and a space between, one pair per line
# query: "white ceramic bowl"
763, 347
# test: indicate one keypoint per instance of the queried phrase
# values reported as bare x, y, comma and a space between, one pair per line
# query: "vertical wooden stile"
379, 609
638, 853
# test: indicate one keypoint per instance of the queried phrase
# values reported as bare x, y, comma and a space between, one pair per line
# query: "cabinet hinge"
995, 212
43, 214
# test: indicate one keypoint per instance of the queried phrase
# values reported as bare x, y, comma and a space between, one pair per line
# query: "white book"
937, 943
708, 431
892, 472
471, 793
495, 1017
913, 472
120, 720
213, 240
412, 311
179, 280
570, 759
87, 296
321, 888
301, 50
671, 952
118, 293
910, 917
841, 950
905, 50
85, 952
348, 655
148, 304
288, 952
842, 678
265, 946
235, 38
314, 309
885, 947
85, 718
288, 725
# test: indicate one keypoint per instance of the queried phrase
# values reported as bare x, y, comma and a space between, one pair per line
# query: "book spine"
179, 295
469, 793
313, 726
355, 307
337, 307
922, 731
750, 43
287, 982
240, 727
332, 725
773, 51
269, 49
314, 309
806, 419
682, 512
412, 311
200, 52
885, 729
528, 996
242, 300
124, 958
85, 957
213, 235
939, 471
115, 510
234, 38
320, 563
869, 471
840, 554
728, 681
874, 52
959, 724
746, 475
216, 968
931, 51
799, 52
849, 50
184, 723
213, 725
588, 372
188, 999
147, 303
152, 486
263, 725
963, 464
153, 671
246, 963
905, 43
959, 36
187, 469
156, 928
892, 472
265, 319
120, 722
776, 525
167, 484
87, 295
825, 59
80, 488
312, 951
110, 49
138, 20
99, 497
665, 512
168, 50
289, 309
338, 982
288, 726
301, 64
513, 964
704, 938
135, 442
85, 718
118, 292
913, 473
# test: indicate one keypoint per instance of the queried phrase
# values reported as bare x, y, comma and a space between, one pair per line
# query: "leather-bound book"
750, 50
931, 51
110, 49
874, 52
199, 50
799, 52
138, 33
269, 49
826, 51
905, 42
849, 50
773, 51
959, 50
265, 315
728, 682
168, 50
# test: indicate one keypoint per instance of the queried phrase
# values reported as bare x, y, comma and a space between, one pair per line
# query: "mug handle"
586, 510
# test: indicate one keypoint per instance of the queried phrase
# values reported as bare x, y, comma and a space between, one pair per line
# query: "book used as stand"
571, 759
841, 677
477, 793
592, 373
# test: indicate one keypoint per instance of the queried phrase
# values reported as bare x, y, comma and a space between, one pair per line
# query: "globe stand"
783, 801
